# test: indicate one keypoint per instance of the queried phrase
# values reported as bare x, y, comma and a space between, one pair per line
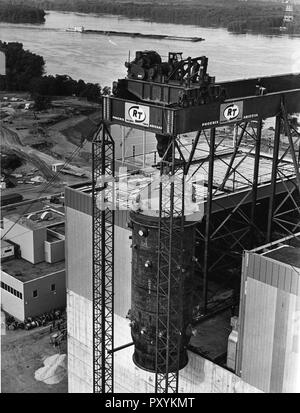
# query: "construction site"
183, 264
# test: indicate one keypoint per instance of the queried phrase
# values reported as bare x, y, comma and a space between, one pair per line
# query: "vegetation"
235, 15
9, 163
63, 85
41, 102
25, 72
21, 67
21, 13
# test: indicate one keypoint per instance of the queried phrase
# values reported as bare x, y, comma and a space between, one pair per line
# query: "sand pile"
54, 369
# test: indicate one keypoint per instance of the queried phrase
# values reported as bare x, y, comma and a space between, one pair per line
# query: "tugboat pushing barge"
81, 29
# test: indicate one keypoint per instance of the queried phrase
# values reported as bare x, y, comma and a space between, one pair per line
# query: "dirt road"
11, 141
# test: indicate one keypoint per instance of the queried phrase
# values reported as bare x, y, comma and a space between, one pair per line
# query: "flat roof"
55, 218
5, 244
24, 271
286, 254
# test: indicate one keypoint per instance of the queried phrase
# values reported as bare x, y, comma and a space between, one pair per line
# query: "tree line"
231, 14
25, 71
21, 13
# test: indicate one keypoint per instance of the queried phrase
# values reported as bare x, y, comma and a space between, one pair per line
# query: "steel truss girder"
103, 158
169, 322
233, 229
212, 231
275, 219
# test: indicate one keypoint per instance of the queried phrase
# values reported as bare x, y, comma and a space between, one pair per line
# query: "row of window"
20, 295
11, 290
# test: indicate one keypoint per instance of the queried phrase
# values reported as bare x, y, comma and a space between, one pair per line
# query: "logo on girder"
137, 114
231, 112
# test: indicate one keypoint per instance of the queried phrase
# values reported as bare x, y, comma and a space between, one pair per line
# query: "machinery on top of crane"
176, 83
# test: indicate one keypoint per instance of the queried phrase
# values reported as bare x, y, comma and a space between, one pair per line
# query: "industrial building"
33, 262
159, 298
275, 266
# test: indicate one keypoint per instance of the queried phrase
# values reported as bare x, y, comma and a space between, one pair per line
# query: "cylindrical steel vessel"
143, 312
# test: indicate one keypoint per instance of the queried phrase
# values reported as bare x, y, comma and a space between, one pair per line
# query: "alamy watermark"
141, 192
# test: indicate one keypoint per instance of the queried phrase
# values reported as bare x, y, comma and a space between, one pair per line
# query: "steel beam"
103, 156
169, 275
208, 215
291, 143
273, 177
255, 180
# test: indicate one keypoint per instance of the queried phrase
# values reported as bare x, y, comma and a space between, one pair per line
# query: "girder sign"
231, 112
137, 114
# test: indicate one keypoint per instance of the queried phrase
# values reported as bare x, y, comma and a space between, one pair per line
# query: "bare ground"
22, 353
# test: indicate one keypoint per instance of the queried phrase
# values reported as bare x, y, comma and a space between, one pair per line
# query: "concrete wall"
79, 300
199, 376
21, 236
31, 241
79, 259
80, 343
79, 252
46, 299
9, 302
39, 238
54, 251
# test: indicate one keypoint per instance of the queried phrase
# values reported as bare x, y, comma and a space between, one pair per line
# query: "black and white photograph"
150, 199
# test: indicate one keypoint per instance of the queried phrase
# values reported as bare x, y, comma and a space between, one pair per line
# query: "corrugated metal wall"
78, 200
269, 351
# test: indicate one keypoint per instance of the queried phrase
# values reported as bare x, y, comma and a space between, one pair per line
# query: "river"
100, 59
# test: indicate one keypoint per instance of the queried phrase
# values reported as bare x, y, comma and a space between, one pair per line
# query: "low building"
33, 233
29, 290
56, 167
269, 331
33, 262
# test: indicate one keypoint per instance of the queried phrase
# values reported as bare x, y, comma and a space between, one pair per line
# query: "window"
11, 290
34, 293
53, 287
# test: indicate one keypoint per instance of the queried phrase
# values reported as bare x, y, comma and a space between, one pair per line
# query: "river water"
99, 58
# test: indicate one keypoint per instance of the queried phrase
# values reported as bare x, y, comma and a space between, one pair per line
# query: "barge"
81, 29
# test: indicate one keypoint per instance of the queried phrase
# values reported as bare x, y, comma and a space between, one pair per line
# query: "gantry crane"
170, 99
